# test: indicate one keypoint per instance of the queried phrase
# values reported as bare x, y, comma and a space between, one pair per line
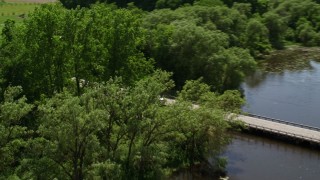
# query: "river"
285, 86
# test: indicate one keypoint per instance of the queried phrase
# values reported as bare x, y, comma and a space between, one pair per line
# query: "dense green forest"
81, 82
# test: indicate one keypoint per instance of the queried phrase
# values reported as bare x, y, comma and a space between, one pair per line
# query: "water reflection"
256, 78
252, 157
284, 61
286, 89
292, 59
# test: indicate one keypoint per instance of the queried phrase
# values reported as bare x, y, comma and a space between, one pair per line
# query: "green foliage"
113, 131
172, 4
302, 18
229, 68
7, 31
58, 48
243, 8
105, 170
197, 134
191, 46
198, 92
257, 37
277, 16
230, 101
221, 164
281, 18
61, 48
193, 90
13, 132
145, 5
98, 111
11, 69
192, 126
277, 28
258, 6
70, 4
209, 2
77, 121
40, 51
191, 42
307, 34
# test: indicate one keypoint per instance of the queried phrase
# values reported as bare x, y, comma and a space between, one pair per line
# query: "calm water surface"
255, 158
287, 87
288, 95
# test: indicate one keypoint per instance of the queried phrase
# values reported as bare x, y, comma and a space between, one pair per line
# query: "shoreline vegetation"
294, 57
81, 82
294, 51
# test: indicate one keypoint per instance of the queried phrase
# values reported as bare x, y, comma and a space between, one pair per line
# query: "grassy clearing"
29, 1
18, 9
15, 11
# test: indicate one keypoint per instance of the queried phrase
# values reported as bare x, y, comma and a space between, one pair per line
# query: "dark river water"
256, 158
289, 95
287, 87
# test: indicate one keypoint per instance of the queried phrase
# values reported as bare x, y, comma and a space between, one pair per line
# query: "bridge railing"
266, 118
293, 135
283, 122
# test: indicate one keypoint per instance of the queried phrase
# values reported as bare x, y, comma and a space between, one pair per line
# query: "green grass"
14, 10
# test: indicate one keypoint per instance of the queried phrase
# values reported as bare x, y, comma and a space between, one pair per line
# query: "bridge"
274, 126
282, 128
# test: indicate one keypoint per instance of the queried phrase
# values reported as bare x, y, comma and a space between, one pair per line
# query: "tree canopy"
82, 83
112, 131
58, 48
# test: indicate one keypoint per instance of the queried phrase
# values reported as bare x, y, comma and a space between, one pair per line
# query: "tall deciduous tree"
277, 27
13, 132
59, 48
190, 49
12, 69
116, 131
68, 129
41, 53
257, 37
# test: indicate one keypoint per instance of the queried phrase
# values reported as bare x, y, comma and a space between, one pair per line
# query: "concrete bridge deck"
280, 127
275, 126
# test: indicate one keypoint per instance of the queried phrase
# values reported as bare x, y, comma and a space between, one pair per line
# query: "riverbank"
291, 58
286, 86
